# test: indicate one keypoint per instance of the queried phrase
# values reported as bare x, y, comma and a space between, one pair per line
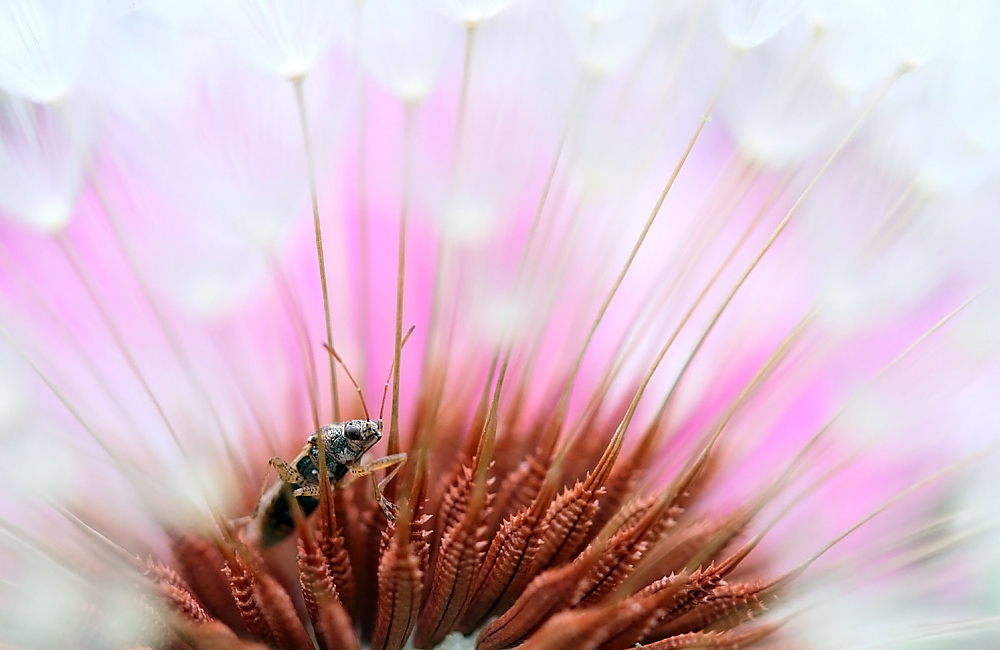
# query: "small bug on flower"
344, 444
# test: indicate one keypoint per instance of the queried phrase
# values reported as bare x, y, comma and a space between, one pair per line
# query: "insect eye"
352, 431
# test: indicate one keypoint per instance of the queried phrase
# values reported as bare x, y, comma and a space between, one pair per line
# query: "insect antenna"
392, 366
333, 353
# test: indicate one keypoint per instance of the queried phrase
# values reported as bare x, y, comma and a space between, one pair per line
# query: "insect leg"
397, 460
307, 490
260, 494
293, 478
286, 472
381, 463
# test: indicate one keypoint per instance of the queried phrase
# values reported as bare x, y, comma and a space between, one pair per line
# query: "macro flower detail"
678, 318
552, 571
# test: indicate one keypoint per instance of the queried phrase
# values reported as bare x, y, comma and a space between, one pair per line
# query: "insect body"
344, 444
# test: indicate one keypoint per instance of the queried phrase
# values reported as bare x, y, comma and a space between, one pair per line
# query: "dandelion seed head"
166, 291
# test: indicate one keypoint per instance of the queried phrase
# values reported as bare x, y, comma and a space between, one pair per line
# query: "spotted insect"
344, 445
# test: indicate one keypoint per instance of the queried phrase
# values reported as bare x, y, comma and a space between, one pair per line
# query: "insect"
344, 444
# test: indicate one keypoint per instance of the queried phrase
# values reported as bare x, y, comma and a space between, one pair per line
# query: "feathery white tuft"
44, 46
404, 46
472, 12
43, 153
286, 37
748, 23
